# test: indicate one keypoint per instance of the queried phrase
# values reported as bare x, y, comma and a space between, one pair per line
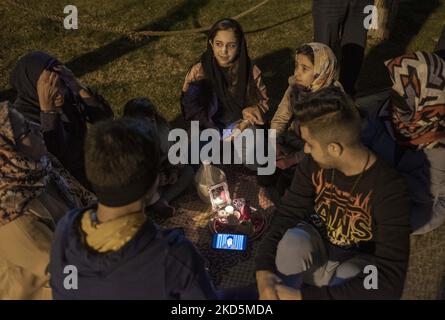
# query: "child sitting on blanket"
315, 68
173, 179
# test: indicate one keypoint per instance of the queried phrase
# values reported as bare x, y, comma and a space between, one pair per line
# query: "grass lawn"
155, 67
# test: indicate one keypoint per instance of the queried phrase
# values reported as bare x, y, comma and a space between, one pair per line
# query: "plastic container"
208, 176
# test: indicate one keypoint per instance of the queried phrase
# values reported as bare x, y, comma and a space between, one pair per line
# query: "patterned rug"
226, 268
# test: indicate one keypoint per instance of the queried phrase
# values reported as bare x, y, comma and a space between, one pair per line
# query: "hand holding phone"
232, 131
227, 133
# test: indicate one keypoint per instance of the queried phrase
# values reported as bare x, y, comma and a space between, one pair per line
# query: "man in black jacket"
345, 214
114, 250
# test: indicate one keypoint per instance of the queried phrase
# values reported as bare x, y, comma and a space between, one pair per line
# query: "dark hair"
226, 24
330, 115
140, 107
307, 51
143, 108
232, 99
121, 154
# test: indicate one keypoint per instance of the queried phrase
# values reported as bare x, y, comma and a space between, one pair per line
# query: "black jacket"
154, 264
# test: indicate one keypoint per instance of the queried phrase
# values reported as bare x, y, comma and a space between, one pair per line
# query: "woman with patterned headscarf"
315, 68
33, 195
408, 130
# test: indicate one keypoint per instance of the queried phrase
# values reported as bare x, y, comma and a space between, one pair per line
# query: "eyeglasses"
27, 130
23, 135
29, 127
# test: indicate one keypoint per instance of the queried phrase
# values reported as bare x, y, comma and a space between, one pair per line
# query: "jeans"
339, 24
303, 257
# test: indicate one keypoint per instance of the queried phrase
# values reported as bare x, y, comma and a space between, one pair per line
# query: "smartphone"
229, 131
229, 241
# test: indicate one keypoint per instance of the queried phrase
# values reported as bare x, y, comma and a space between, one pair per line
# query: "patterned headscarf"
22, 179
325, 67
418, 118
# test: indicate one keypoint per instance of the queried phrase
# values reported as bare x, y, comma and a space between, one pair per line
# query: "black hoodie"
154, 264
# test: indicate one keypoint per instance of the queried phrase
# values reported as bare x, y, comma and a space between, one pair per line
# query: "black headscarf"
24, 79
67, 145
233, 102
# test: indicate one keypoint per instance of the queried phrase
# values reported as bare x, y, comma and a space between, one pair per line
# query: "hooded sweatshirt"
153, 264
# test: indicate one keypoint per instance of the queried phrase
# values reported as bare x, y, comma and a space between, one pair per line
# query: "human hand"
287, 293
287, 161
254, 115
266, 282
47, 90
241, 126
69, 78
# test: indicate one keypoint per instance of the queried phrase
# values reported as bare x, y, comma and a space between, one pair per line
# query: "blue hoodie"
154, 264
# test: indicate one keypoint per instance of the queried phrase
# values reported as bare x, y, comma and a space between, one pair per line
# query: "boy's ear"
335, 149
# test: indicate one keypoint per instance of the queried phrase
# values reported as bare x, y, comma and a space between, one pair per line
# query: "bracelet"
55, 111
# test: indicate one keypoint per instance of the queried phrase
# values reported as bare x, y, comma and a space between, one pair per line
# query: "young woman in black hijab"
49, 94
225, 86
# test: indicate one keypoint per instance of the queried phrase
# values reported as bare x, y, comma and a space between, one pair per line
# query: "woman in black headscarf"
225, 86
49, 94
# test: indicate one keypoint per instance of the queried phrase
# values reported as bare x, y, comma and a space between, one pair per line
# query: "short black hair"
307, 51
330, 115
140, 107
120, 152
143, 108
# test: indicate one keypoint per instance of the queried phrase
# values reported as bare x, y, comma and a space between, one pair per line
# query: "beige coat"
282, 119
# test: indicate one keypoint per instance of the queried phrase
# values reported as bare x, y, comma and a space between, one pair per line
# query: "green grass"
121, 69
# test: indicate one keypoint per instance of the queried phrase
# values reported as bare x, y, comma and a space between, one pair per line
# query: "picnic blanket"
226, 268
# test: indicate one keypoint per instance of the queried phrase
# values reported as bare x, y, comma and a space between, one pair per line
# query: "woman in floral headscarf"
33, 195
315, 68
408, 130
